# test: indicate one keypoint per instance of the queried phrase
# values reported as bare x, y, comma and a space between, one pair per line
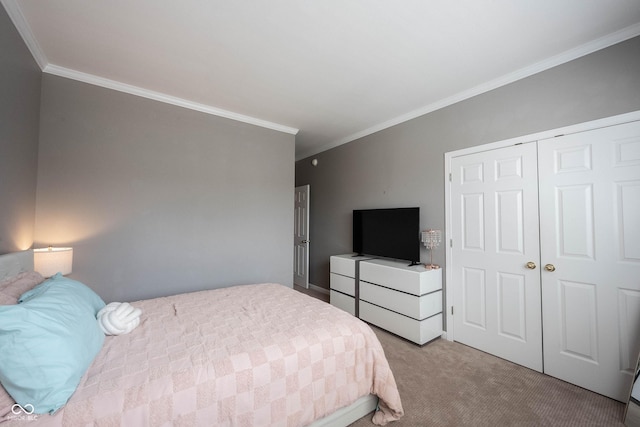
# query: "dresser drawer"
415, 280
346, 285
343, 264
418, 331
418, 308
343, 302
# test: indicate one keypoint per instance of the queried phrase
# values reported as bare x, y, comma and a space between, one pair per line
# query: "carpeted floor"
445, 383
449, 384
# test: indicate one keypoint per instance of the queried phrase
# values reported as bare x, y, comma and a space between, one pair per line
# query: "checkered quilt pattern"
251, 355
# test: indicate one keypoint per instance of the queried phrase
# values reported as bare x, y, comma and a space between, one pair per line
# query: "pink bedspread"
254, 355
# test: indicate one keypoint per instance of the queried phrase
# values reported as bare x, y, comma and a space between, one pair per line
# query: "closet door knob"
531, 265
550, 267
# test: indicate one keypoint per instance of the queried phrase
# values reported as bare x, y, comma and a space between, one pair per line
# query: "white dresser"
405, 300
344, 280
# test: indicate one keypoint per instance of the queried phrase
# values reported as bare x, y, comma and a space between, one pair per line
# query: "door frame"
307, 190
449, 334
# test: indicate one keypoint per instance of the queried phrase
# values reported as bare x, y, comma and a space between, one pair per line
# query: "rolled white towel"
118, 318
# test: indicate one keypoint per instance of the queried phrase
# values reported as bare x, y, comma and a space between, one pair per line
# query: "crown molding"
19, 21
161, 97
17, 17
554, 61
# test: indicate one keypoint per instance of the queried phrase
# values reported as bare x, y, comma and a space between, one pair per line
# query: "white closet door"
494, 211
590, 234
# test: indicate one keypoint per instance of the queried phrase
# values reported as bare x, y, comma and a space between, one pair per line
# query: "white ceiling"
335, 70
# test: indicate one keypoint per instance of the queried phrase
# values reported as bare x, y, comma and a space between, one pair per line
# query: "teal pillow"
48, 341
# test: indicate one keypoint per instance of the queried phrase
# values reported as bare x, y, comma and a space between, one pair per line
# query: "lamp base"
431, 266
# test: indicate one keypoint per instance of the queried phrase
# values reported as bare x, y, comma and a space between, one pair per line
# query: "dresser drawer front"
419, 332
418, 308
412, 280
343, 265
343, 302
346, 285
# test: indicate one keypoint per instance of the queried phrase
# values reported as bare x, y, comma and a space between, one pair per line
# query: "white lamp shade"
49, 261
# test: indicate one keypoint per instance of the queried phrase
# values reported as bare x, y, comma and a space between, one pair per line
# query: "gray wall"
404, 165
157, 199
19, 116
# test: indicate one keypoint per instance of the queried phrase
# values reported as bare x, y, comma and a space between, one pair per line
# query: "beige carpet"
449, 384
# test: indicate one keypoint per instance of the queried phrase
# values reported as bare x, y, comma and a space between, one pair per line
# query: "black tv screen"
391, 233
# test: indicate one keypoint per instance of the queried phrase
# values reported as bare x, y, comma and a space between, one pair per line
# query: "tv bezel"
358, 237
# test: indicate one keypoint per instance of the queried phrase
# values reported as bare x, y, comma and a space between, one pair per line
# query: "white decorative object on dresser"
343, 281
405, 300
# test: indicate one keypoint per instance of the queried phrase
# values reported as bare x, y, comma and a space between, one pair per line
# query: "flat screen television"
391, 233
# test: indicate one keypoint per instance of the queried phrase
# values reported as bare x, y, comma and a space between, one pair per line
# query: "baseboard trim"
319, 289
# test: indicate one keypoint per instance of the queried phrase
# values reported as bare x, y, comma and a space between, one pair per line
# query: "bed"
246, 355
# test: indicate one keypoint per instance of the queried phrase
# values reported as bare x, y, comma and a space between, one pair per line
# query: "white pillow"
118, 318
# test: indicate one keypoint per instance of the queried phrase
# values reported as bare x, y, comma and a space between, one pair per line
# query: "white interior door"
590, 234
301, 237
494, 216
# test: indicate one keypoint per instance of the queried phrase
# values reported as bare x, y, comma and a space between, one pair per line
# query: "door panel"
574, 220
495, 216
628, 223
473, 222
629, 309
509, 222
590, 232
577, 302
512, 297
473, 298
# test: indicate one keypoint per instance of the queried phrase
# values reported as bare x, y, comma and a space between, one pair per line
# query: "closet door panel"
589, 195
494, 203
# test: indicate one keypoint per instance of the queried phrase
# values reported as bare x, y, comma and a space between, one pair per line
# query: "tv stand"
404, 300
